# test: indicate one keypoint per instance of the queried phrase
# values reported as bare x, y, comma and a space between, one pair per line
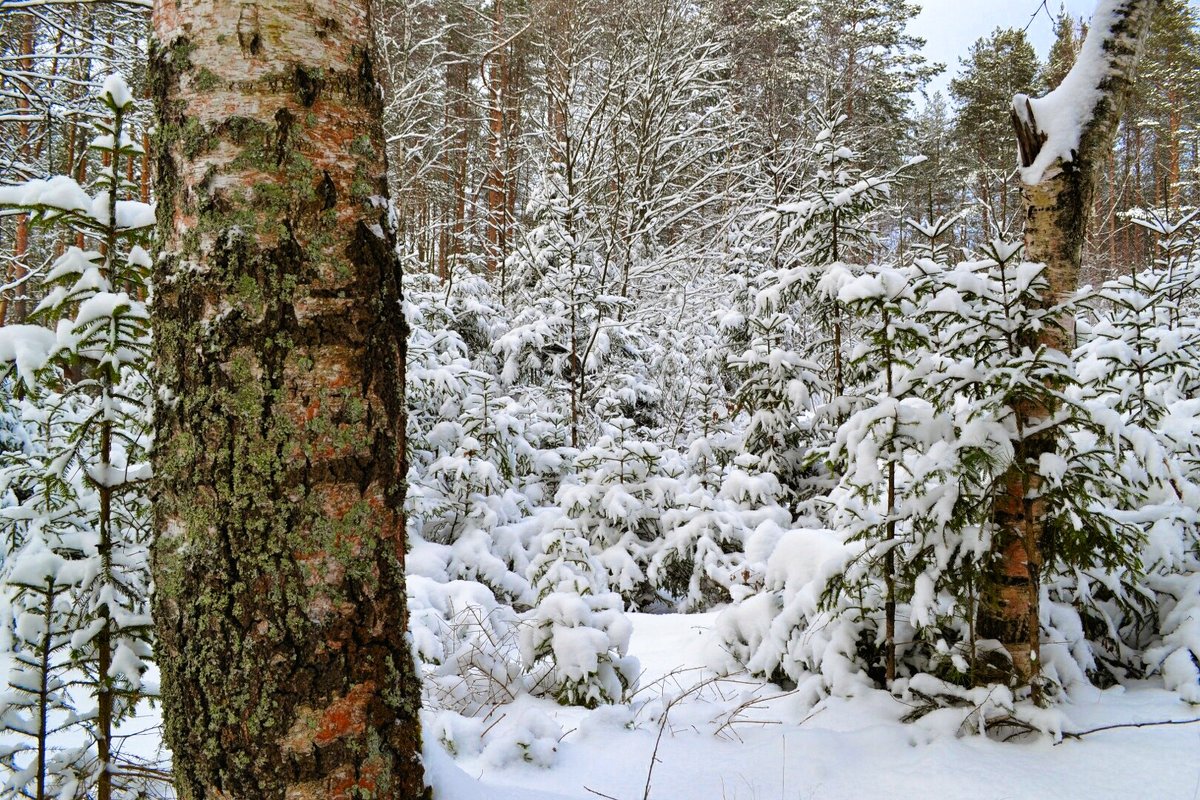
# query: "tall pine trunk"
19, 268
1057, 202
496, 63
280, 465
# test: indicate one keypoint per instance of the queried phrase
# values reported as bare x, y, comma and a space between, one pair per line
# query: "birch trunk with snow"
279, 338
1064, 139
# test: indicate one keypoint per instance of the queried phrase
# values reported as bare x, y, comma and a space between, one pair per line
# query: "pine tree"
1168, 100
934, 186
865, 65
998, 67
1063, 51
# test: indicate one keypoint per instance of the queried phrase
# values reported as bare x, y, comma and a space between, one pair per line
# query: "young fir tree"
794, 371
935, 186
574, 641
1138, 354
888, 422
1002, 469
87, 506
569, 324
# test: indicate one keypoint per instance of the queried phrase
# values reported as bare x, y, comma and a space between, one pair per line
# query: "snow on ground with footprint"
740, 739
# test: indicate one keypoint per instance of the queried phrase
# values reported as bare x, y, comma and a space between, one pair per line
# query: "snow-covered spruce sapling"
616, 499
37, 702
889, 422
1139, 355
931, 239
574, 641
1177, 245
86, 483
794, 372
568, 324
954, 440
477, 460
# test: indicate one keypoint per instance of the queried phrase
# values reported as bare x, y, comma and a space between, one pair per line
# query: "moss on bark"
280, 463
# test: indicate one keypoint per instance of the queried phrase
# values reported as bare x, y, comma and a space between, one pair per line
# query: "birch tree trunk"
1059, 170
279, 341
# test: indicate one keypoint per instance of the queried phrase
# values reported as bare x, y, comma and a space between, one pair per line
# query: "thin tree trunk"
457, 112
1057, 204
104, 638
1171, 191
497, 85
44, 688
890, 559
279, 557
21, 241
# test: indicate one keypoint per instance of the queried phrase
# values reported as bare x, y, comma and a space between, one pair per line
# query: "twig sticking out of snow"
1156, 723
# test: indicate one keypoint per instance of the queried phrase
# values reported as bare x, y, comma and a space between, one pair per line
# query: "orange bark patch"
346, 716
348, 783
343, 717
1015, 562
1015, 601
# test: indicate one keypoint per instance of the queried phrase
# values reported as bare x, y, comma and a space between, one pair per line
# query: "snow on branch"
61, 195
1058, 127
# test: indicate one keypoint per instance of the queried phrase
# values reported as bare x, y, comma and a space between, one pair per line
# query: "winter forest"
560, 399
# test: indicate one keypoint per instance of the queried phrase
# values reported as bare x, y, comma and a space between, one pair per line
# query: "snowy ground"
779, 749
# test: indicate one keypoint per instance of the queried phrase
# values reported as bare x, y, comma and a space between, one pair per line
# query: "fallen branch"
599, 794
1081, 734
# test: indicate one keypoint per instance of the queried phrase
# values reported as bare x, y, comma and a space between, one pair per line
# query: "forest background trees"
696, 293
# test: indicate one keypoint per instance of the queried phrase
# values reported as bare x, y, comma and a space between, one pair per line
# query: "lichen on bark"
280, 461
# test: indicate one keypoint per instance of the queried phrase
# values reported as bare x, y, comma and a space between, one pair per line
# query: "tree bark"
496, 79
457, 119
1056, 208
279, 344
19, 268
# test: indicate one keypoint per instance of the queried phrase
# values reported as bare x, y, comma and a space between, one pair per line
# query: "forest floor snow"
741, 739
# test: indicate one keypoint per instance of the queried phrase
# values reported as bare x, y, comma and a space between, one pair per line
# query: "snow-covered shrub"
1177, 658
473, 469
616, 498
466, 643
574, 641
531, 736
785, 632
702, 552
